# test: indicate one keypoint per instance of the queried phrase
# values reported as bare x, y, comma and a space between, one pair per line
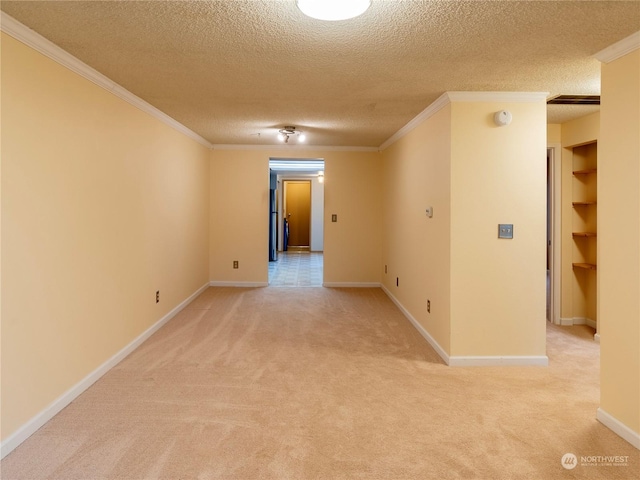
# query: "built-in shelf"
581, 204
585, 172
585, 234
586, 266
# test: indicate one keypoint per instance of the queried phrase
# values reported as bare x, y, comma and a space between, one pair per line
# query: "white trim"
508, 97
556, 241
29, 37
351, 284
618, 428
499, 361
29, 428
214, 283
448, 97
428, 112
619, 49
469, 361
280, 147
432, 341
568, 322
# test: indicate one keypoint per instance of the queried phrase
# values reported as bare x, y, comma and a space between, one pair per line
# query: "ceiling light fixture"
333, 9
289, 131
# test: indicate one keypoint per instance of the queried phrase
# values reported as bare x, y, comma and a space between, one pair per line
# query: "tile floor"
296, 269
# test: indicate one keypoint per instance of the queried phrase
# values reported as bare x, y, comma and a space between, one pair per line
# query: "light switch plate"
334, 217
505, 230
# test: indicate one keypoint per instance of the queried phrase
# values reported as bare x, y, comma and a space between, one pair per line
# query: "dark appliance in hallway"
273, 228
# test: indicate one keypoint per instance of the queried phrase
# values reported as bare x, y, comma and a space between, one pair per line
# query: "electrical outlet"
235, 264
505, 230
334, 218
157, 296
397, 281
385, 269
428, 306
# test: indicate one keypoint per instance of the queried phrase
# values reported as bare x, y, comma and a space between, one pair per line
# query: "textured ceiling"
232, 69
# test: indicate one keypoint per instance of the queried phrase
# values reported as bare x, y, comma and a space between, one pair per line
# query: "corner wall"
619, 247
486, 295
498, 175
102, 205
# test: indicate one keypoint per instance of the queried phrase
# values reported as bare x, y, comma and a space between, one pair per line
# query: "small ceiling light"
333, 9
289, 131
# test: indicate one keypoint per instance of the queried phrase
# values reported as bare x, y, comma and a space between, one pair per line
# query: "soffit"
230, 70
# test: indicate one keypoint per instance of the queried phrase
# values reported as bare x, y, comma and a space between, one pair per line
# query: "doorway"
297, 187
297, 214
554, 185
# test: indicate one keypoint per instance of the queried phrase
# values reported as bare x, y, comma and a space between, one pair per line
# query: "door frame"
284, 203
554, 152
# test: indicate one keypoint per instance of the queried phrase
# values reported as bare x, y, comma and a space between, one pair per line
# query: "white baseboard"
499, 361
470, 361
618, 428
351, 284
29, 428
567, 322
436, 346
238, 284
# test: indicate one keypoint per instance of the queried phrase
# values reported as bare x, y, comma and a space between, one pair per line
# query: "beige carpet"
318, 383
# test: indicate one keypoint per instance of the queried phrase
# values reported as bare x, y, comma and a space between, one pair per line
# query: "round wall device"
502, 118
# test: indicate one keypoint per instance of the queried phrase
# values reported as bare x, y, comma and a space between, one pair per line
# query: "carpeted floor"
320, 383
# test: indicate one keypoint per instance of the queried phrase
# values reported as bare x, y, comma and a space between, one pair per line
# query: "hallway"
296, 269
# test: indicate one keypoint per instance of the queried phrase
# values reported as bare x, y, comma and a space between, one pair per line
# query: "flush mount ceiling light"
289, 131
333, 9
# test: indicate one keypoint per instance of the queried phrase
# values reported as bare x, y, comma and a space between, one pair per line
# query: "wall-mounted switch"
429, 212
505, 230
334, 218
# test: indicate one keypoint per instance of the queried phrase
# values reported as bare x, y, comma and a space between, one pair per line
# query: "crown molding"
449, 97
22, 33
431, 110
619, 49
281, 148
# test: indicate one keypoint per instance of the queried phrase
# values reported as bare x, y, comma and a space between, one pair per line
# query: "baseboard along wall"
238, 284
618, 428
29, 428
469, 361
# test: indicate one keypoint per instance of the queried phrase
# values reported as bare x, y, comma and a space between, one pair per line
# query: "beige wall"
554, 133
498, 175
239, 217
417, 171
619, 240
487, 295
102, 205
240, 206
573, 302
